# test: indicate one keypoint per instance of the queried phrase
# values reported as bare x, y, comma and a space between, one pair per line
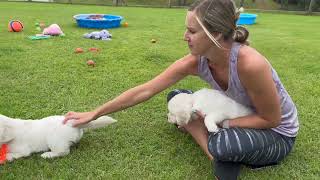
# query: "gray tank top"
289, 125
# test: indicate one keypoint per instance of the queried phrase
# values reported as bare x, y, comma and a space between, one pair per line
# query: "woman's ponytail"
241, 35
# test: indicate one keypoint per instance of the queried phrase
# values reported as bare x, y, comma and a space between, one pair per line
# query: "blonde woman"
220, 56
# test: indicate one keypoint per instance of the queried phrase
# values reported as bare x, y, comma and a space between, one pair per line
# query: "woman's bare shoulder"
189, 64
251, 61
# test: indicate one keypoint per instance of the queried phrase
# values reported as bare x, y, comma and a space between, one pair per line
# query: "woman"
219, 55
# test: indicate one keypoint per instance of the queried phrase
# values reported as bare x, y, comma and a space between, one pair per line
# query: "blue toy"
98, 35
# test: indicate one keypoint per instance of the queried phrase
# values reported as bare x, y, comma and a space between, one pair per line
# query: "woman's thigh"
249, 146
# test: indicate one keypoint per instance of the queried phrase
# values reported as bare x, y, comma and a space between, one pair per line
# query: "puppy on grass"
48, 135
215, 106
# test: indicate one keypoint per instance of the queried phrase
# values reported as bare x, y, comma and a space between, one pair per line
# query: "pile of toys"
45, 32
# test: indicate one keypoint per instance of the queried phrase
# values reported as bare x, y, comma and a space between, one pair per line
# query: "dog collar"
3, 153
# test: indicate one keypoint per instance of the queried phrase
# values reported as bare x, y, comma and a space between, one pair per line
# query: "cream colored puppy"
215, 106
48, 135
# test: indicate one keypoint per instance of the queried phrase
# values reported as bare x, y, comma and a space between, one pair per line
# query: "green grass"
42, 78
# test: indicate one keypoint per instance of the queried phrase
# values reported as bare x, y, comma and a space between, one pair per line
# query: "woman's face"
197, 40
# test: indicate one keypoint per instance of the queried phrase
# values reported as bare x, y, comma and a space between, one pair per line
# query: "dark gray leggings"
234, 147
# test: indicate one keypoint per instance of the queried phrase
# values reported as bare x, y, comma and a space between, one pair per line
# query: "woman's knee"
220, 145
214, 143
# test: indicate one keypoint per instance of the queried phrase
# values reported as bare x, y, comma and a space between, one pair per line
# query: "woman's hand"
79, 118
197, 115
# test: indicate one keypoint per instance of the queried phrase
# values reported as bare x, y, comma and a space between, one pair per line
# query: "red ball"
91, 63
15, 26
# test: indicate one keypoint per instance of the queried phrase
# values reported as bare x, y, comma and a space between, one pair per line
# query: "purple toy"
98, 35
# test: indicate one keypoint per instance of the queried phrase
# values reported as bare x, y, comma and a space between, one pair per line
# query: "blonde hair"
220, 16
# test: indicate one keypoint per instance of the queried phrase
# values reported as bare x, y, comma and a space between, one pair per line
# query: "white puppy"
48, 135
215, 106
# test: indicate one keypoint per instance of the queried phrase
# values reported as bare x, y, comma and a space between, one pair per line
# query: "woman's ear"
218, 36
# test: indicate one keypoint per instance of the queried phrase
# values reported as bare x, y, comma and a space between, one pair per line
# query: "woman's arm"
175, 72
256, 77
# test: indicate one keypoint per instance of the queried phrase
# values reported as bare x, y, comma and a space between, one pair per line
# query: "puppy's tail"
98, 123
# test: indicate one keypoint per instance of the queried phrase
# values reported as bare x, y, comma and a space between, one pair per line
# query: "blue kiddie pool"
246, 19
98, 21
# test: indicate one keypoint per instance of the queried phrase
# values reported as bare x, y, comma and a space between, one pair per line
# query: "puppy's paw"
212, 128
47, 155
10, 157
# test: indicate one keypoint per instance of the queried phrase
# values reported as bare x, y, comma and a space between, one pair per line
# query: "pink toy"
53, 30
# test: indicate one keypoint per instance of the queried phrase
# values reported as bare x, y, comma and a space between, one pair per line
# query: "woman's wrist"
95, 114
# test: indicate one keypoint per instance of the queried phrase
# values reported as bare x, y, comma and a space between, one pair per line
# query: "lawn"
45, 77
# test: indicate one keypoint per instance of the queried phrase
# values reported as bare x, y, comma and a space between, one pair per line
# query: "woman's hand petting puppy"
79, 117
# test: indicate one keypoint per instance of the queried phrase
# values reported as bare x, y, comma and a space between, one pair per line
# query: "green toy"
39, 37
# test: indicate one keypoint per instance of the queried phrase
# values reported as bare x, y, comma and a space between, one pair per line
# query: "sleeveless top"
289, 124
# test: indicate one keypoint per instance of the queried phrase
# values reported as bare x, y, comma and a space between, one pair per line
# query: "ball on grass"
91, 63
125, 24
15, 26
78, 50
94, 49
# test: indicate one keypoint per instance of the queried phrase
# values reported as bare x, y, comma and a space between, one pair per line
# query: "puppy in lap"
212, 104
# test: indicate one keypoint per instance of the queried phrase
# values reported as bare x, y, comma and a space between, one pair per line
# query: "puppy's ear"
6, 133
171, 118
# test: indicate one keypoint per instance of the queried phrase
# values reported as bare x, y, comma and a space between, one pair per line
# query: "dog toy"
94, 49
91, 63
125, 24
15, 26
3, 153
53, 30
98, 35
40, 26
78, 50
39, 37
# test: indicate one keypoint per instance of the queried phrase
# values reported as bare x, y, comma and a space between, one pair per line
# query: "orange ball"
125, 24
94, 49
15, 26
78, 50
91, 63
42, 25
